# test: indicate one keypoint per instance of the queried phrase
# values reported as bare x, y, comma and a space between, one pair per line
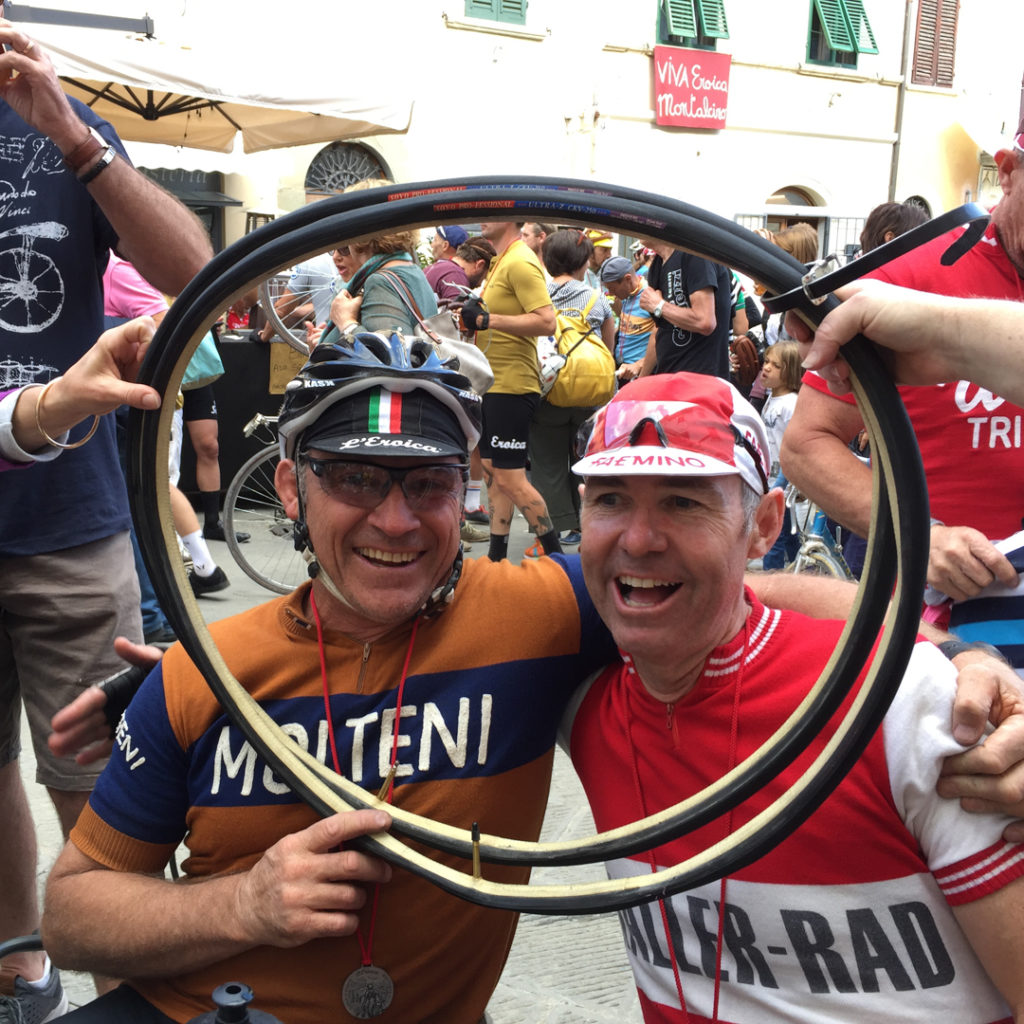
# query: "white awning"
195, 96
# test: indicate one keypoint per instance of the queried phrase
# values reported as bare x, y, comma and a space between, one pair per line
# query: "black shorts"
506, 429
200, 404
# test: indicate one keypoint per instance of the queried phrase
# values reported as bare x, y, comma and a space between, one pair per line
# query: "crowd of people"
643, 651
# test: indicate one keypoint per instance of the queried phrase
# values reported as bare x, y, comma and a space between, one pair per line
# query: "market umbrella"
193, 95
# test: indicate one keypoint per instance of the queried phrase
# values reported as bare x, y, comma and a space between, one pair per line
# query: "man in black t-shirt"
689, 297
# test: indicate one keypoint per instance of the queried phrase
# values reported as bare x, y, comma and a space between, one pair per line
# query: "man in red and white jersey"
888, 903
970, 437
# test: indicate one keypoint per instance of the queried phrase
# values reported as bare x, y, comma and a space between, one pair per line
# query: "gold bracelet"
49, 440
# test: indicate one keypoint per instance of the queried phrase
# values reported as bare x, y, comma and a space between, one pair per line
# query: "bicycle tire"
251, 505
896, 553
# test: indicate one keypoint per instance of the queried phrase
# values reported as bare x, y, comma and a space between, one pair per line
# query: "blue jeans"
785, 547
787, 544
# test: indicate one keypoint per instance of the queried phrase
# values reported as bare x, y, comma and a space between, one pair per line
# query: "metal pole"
23, 14
901, 95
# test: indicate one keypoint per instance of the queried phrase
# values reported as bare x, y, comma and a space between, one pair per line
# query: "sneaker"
478, 515
534, 550
215, 531
30, 1005
217, 580
570, 538
470, 532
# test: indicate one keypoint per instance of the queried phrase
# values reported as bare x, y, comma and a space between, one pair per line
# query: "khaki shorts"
59, 614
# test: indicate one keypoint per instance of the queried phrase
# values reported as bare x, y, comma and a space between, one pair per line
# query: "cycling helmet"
392, 362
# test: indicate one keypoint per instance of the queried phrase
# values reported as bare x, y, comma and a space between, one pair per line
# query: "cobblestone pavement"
561, 970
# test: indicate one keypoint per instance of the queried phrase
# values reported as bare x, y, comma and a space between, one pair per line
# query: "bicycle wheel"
252, 506
269, 291
896, 554
821, 561
288, 300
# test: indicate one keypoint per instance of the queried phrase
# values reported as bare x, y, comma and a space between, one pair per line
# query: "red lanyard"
365, 945
733, 745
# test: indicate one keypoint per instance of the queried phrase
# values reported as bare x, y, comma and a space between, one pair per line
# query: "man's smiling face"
663, 559
385, 560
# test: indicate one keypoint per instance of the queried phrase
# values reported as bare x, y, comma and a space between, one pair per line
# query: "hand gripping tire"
897, 552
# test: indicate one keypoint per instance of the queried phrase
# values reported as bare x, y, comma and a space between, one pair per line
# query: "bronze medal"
367, 992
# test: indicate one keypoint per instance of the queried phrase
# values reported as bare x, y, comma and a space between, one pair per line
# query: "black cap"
381, 422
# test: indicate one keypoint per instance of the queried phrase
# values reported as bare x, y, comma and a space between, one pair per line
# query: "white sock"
202, 561
473, 495
42, 982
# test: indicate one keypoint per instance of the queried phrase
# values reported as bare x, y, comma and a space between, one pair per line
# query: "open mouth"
644, 592
379, 557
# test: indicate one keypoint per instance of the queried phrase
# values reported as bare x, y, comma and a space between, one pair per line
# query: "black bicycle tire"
745, 254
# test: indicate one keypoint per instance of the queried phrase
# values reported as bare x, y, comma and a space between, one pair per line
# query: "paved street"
561, 970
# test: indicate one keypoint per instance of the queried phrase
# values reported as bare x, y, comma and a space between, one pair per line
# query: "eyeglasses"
343, 250
367, 484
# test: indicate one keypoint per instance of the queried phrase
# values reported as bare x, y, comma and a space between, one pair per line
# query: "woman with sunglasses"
387, 290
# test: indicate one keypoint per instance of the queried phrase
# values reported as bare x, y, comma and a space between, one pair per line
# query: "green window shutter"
680, 18
712, 18
480, 9
513, 11
510, 11
860, 27
834, 25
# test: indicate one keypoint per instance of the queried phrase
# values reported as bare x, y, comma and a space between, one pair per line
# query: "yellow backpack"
586, 376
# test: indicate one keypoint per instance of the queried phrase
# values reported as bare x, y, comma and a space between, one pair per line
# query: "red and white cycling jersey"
970, 439
848, 919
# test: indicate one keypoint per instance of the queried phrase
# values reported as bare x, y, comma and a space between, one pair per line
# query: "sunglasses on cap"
367, 484
672, 425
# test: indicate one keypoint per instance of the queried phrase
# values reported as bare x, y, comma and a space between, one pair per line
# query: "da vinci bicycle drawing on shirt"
31, 288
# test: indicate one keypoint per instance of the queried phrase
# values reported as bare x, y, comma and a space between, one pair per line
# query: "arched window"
342, 164
788, 200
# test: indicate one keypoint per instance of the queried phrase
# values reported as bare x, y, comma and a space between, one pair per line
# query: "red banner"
691, 87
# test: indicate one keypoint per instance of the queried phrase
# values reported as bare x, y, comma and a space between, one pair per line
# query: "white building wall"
571, 95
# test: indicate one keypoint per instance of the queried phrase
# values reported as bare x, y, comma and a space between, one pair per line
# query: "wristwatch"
93, 145
951, 648
657, 309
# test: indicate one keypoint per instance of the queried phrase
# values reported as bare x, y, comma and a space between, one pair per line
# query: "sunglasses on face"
343, 250
367, 484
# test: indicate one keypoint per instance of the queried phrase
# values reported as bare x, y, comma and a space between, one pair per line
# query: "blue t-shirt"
53, 252
635, 326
